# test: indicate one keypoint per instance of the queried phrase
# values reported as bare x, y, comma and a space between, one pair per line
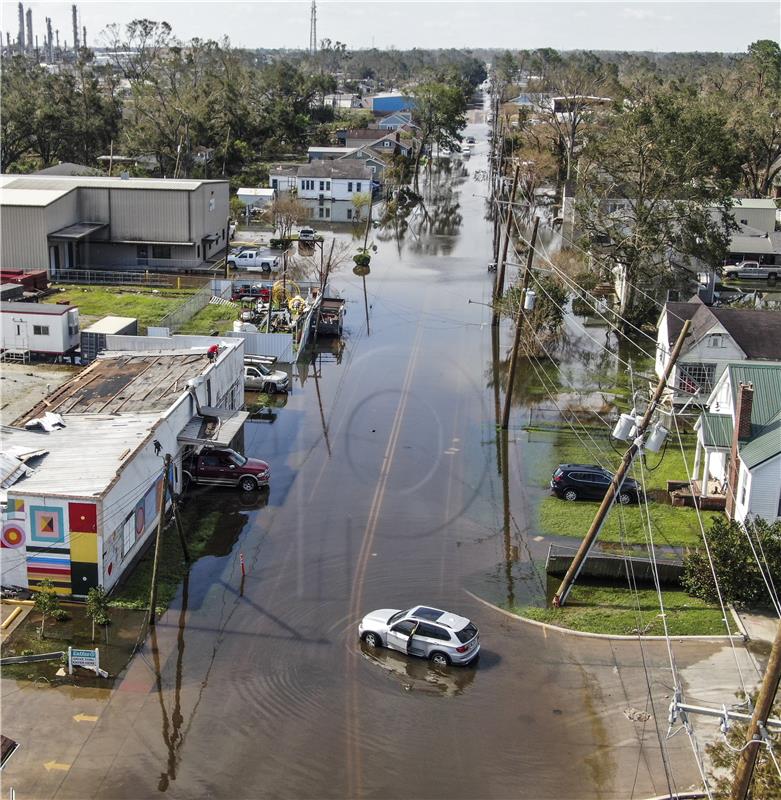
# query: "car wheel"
439, 659
570, 495
248, 484
372, 639
625, 498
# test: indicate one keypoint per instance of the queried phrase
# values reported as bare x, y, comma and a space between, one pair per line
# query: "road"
385, 493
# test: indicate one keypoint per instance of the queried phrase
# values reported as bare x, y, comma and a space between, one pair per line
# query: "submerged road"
384, 493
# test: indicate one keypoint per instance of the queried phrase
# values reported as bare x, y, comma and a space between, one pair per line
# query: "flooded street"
385, 492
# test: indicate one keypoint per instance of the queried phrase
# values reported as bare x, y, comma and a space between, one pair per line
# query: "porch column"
705, 462
697, 457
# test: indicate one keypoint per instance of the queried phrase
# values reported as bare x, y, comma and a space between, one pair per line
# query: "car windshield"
466, 634
396, 617
239, 459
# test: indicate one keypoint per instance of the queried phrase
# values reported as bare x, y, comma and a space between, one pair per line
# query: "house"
79, 514
755, 237
717, 337
282, 177
374, 161
342, 100
84, 222
393, 144
738, 454
325, 153
333, 180
358, 137
396, 120
39, 328
256, 198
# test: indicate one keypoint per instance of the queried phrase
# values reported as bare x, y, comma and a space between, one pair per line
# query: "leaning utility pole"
618, 479
757, 732
499, 286
158, 538
518, 325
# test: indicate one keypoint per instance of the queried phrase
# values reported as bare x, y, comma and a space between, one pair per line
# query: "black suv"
589, 482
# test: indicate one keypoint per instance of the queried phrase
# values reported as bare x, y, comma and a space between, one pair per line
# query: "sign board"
89, 659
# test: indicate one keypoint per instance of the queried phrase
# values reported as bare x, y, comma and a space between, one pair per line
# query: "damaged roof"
126, 383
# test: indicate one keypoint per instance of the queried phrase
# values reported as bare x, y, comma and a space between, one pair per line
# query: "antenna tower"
313, 29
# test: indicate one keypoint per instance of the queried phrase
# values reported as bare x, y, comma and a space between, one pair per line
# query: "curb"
587, 635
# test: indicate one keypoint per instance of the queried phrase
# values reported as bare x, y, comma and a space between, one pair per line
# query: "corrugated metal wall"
150, 215
279, 345
23, 235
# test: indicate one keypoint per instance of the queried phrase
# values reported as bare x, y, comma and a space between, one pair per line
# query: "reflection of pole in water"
320, 406
365, 304
507, 538
497, 395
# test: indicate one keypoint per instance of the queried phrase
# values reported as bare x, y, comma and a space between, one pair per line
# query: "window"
358, 186
328, 186
467, 633
404, 628
716, 340
692, 377
349, 213
387, 143
40, 330
322, 185
273, 183
349, 186
320, 212
161, 251
328, 213
433, 632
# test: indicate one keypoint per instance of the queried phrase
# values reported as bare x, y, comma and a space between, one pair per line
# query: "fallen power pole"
518, 325
757, 730
560, 598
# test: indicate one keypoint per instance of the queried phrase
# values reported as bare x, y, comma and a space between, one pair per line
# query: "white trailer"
39, 328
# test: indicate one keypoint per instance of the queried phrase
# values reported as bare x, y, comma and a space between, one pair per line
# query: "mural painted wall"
13, 551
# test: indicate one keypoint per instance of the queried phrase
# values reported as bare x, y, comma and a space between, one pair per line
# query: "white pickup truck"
253, 261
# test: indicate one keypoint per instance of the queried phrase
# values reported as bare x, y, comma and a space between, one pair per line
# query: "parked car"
752, 269
590, 482
253, 261
225, 467
260, 378
470, 139
440, 636
251, 291
306, 235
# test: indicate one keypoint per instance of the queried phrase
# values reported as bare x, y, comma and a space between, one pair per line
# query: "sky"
716, 25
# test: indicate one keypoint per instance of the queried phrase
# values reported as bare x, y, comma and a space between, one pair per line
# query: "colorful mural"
13, 534
46, 525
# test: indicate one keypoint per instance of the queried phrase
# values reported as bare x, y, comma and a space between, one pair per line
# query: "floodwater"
387, 490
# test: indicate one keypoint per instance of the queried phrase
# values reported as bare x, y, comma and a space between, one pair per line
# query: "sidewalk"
761, 626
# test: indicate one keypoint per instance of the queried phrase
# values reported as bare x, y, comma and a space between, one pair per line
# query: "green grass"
147, 305
614, 610
212, 318
670, 526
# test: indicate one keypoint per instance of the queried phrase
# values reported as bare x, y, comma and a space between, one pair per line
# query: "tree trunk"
417, 167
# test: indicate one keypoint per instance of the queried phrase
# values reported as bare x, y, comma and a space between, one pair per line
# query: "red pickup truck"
227, 468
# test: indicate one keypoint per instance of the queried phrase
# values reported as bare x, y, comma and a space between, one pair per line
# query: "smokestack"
75, 15
49, 40
20, 37
29, 30
57, 34
84, 36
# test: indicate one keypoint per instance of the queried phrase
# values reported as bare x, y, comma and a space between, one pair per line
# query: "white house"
81, 498
738, 451
333, 180
717, 337
282, 177
43, 328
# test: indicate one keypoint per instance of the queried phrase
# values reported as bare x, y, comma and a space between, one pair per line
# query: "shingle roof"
677, 314
341, 168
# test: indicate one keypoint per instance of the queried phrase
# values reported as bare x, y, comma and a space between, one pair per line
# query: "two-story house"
333, 180
738, 454
718, 337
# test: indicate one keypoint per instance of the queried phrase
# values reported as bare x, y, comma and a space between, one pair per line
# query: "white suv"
431, 633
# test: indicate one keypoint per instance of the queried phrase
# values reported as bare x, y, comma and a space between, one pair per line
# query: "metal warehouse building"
81, 222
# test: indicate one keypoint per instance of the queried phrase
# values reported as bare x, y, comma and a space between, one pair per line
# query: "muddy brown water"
385, 492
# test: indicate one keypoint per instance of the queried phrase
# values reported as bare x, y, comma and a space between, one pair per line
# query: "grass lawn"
212, 318
147, 305
670, 526
614, 610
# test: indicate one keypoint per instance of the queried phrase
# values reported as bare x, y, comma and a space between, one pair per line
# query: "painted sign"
89, 659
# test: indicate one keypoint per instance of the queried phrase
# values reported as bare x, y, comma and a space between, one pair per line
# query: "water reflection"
417, 675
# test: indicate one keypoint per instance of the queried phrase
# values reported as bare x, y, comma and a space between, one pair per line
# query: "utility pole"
518, 325
499, 287
757, 727
618, 479
158, 537
180, 531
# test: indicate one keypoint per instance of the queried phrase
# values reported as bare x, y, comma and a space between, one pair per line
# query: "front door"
142, 255
398, 635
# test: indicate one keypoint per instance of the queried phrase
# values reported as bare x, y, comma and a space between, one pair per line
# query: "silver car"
431, 633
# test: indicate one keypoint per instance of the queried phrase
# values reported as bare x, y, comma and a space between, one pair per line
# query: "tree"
46, 602
287, 211
655, 192
440, 111
97, 608
740, 578
16, 122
